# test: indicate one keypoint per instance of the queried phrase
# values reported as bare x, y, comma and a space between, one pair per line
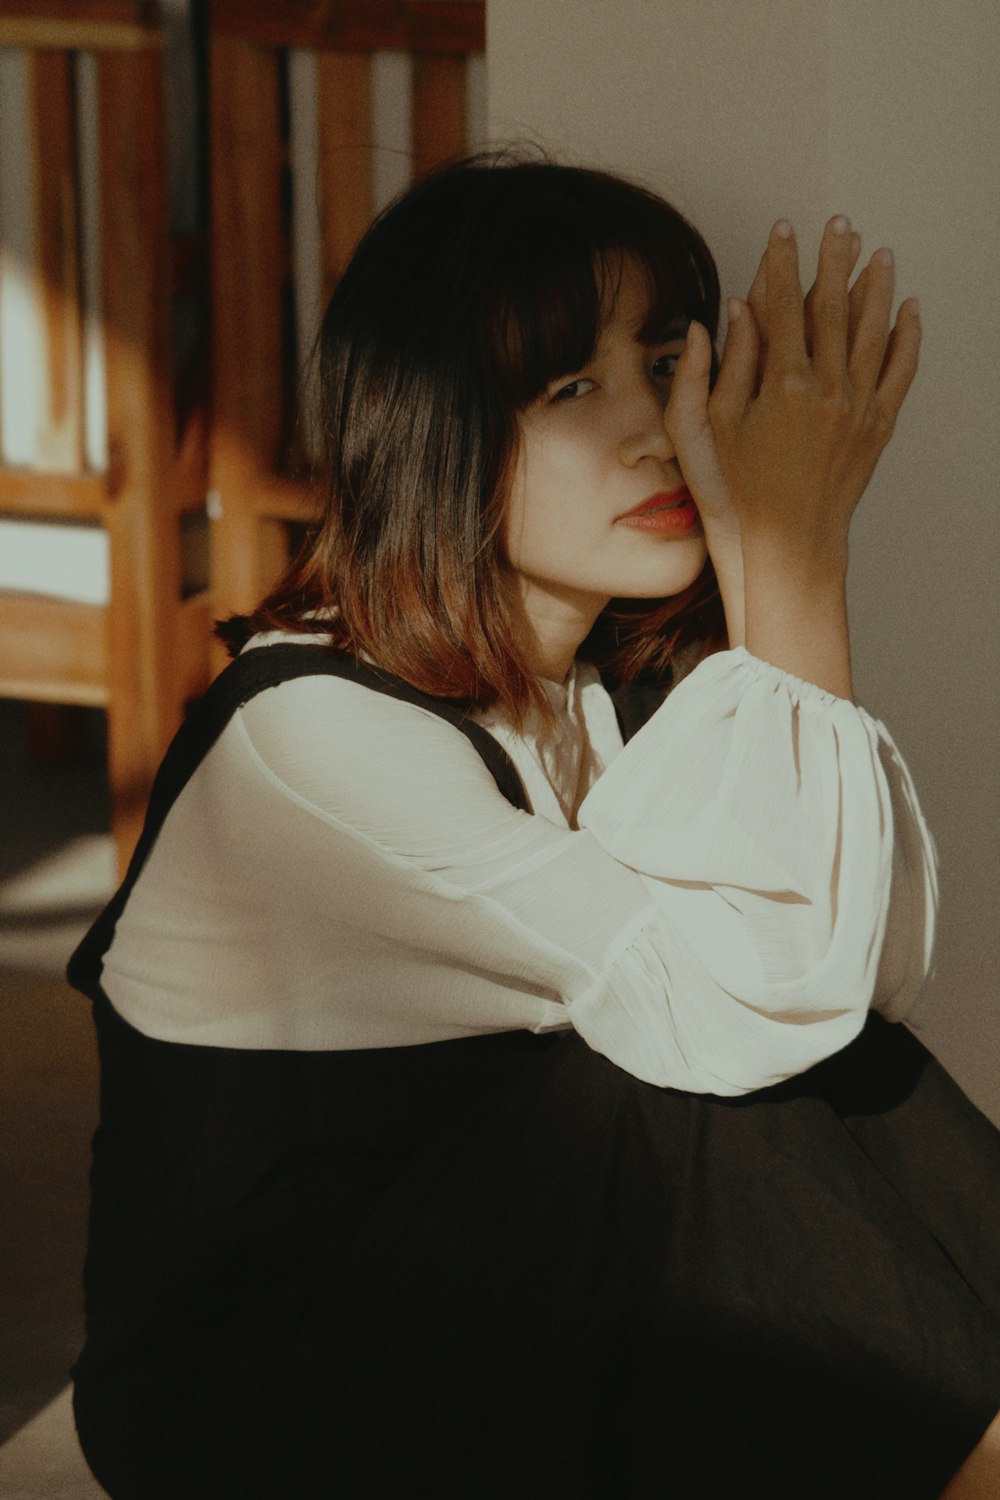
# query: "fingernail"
884, 257
914, 306
783, 230
734, 307
840, 225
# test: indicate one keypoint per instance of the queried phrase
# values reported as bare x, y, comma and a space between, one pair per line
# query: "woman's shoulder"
366, 758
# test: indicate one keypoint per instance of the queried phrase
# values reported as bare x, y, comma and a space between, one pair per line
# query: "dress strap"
250, 673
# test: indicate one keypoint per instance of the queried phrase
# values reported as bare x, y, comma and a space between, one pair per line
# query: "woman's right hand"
804, 405
778, 455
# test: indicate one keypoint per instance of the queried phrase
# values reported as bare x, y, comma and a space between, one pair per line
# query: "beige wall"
741, 113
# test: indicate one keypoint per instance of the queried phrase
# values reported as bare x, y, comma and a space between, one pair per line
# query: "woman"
488, 1109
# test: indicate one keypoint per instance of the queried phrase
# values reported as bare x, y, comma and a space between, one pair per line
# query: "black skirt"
503, 1267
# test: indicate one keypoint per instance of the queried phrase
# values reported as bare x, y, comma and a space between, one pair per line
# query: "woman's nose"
643, 433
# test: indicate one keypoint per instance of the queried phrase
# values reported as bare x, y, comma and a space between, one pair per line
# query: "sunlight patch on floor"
43, 1460
46, 908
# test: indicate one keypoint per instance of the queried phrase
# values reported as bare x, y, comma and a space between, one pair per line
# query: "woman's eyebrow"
676, 329
664, 333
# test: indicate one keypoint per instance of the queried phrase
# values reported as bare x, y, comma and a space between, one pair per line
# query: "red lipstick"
670, 513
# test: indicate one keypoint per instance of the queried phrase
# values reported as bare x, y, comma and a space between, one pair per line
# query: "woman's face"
592, 449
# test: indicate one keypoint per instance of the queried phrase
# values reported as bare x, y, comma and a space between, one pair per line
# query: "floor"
56, 871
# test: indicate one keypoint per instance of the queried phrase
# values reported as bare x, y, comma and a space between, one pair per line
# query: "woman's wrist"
725, 548
796, 612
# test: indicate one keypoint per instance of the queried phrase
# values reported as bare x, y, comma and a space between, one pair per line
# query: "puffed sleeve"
783, 830
908, 946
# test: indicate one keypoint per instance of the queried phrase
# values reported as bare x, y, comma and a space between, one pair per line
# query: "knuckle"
835, 398
793, 385
872, 422
787, 298
883, 424
830, 309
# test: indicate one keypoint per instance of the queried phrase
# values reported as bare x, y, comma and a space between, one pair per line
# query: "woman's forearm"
796, 613
726, 551
785, 607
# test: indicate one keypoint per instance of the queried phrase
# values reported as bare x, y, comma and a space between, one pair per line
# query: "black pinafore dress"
502, 1267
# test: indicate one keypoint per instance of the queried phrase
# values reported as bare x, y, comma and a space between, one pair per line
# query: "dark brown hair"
466, 297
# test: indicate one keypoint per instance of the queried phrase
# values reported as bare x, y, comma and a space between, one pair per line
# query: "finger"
757, 295
736, 383
686, 411
757, 299
829, 305
811, 294
901, 360
874, 317
855, 303
785, 323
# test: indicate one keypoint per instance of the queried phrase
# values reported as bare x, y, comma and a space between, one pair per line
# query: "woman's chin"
667, 575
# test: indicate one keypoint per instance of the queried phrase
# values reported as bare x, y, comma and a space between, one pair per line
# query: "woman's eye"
578, 387
666, 366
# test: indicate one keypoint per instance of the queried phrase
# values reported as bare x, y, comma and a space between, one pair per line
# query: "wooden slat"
273, 554
142, 13
249, 250
344, 102
101, 25
280, 499
456, 26
189, 262
189, 478
53, 133
52, 651
438, 111
25, 492
141, 521
190, 267
249, 263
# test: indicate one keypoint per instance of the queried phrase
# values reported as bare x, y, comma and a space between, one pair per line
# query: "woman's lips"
670, 511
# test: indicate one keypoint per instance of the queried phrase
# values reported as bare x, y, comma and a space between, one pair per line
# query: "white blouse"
714, 906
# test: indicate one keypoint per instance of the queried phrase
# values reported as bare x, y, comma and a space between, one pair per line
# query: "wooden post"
438, 111
345, 157
141, 520
249, 273
53, 141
